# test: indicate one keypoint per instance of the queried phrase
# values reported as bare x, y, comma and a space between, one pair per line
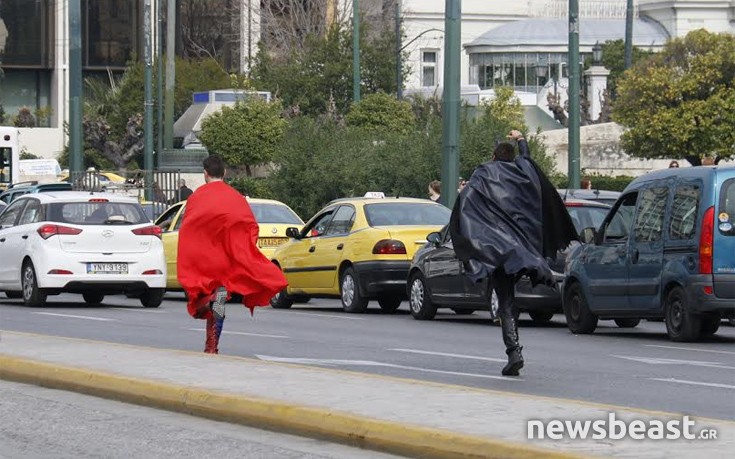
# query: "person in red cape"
218, 253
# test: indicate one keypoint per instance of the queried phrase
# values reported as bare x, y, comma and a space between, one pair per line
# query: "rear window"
96, 213
684, 210
587, 216
726, 212
407, 213
275, 213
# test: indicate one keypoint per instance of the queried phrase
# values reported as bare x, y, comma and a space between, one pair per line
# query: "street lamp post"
574, 105
355, 51
451, 101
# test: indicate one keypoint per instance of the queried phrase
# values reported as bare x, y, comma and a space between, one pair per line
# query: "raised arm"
523, 150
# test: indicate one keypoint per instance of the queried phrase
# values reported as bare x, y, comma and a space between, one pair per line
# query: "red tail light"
46, 231
152, 272
706, 241
152, 230
389, 247
99, 200
60, 271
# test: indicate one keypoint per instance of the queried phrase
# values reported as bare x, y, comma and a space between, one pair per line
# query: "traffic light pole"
76, 142
451, 102
629, 35
574, 86
148, 94
355, 51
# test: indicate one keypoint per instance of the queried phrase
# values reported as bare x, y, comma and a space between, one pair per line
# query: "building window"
25, 28
110, 33
429, 60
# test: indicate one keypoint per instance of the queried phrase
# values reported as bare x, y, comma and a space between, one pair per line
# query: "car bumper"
379, 277
540, 297
701, 301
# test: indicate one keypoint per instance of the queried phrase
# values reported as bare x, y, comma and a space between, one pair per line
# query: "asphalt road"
637, 367
38, 423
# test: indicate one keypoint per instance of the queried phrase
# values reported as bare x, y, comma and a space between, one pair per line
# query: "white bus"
9, 156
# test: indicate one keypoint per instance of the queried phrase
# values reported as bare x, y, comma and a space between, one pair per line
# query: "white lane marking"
694, 383
74, 317
225, 332
690, 349
445, 354
659, 361
370, 363
139, 310
330, 316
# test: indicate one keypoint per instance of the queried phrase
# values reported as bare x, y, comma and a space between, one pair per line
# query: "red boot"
212, 341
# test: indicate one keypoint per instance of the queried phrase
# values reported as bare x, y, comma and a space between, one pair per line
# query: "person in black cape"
505, 223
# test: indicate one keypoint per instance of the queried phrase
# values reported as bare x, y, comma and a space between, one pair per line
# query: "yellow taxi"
357, 249
273, 218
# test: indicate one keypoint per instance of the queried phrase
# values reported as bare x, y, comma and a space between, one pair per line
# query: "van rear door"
723, 260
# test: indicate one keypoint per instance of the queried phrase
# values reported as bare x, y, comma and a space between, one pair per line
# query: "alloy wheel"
417, 295
348, 289
29, 280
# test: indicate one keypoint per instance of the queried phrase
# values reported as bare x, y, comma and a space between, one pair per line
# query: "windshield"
97, 213
587, 216
275, 213
407, 213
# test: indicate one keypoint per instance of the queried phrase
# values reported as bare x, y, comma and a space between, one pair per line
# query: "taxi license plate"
107, 268
271, 241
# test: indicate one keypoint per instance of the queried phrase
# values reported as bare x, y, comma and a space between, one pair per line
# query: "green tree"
245, 135
382, 112
613, 59
680, 103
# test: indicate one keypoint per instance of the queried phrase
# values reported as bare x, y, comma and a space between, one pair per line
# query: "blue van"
666, 250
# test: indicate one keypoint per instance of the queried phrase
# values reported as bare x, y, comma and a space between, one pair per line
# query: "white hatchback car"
95, 244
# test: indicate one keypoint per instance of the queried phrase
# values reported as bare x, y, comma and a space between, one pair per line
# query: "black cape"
510, 216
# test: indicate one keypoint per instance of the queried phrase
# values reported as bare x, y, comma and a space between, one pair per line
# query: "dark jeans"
504, 287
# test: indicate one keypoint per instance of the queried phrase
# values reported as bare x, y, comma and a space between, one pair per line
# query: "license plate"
271, 241
107, 268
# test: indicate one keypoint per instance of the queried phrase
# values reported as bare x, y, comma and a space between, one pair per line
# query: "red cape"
218, 247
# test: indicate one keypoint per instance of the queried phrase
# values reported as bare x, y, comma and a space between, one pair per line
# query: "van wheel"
681, 325
389, 303
541, 317
419, 298
627, 323
580, 319
93, 297
32, 295
152, 298
349, 292
710, 324
281, 300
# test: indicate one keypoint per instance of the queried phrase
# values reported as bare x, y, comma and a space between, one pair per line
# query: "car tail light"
706, 241
152, 230
99, 200
60, 271
389, 247
152, 272
46, 231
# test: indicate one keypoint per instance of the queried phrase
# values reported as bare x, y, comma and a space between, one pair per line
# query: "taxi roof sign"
375, 194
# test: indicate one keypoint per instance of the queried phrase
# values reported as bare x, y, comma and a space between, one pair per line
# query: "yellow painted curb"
388, 436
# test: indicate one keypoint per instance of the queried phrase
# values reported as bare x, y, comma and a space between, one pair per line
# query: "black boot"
515, 361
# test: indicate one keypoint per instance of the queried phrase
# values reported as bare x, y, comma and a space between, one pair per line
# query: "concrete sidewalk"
400, 416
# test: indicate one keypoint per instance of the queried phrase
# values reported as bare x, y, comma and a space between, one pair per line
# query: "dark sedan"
436, 277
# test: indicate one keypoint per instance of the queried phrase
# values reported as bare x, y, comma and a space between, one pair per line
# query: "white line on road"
660, 361
225, 332
139, 310
694, 383
370, 363
445, 354
74, 317
330, 316
690, 349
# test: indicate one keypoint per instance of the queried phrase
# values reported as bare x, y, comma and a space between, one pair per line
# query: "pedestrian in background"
184, 191
435, 189
219, 256
586, 183
506, 222
673, 164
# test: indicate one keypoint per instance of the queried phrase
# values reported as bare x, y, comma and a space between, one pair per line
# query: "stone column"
596, 86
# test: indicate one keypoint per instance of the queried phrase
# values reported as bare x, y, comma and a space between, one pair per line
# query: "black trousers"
504, 287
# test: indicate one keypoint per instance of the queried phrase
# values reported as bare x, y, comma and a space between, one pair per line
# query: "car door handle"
25, 236
312, 248
634, 256
340, 247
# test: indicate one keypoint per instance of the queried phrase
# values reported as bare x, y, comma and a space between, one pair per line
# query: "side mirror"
293, 233
435, 238
588, 235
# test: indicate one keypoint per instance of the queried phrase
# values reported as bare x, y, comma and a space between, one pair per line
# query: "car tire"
463, 312
419, 298
681, 324
627, 323
541, 317
301, 299
349, 292
281, 300
32, 295
14, 295
710, 324
93, 297
389, 303
152, 298
580, 320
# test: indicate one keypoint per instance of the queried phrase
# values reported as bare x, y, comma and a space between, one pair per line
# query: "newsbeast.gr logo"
616, 429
